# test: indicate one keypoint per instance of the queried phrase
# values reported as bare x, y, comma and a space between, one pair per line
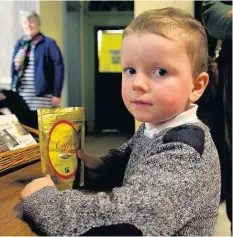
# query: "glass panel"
109, 44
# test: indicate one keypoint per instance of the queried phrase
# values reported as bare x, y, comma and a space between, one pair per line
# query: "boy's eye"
130, 71
160, 72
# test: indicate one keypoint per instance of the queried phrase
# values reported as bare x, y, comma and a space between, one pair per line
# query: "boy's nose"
140, 83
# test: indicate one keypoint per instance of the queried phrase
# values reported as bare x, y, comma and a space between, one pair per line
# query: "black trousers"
226, 73
30, 119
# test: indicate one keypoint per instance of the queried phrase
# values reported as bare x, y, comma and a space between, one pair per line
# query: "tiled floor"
99, 145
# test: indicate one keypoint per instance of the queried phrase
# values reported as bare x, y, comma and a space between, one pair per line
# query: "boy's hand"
90, 162
36, 185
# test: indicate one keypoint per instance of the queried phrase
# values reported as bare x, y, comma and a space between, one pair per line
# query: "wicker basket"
12, 159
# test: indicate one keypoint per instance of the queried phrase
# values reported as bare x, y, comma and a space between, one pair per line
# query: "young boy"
166, 179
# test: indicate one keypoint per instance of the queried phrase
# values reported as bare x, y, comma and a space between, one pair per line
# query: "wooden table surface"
11, 223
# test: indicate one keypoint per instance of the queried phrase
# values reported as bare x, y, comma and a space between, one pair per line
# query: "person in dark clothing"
217, 18
16, 104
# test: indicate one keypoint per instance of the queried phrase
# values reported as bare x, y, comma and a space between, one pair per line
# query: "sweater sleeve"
111, 173
161, 197
16, 48
215, 19
56, 56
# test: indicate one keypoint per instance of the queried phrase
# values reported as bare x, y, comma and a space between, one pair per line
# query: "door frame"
96, 28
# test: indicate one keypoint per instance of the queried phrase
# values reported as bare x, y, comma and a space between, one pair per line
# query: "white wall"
140, 6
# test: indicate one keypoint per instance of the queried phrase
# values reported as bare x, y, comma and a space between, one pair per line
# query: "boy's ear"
199, 86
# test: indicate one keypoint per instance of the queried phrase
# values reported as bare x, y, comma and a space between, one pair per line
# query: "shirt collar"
188, 116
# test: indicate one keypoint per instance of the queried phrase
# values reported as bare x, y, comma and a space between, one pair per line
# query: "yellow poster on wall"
109, 45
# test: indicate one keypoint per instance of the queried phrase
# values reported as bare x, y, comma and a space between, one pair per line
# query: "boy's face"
156, 77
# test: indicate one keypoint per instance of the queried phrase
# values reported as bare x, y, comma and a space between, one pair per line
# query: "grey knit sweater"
170, 186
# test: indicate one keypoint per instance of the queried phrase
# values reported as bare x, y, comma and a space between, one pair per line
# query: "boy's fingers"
48, 177
81, 155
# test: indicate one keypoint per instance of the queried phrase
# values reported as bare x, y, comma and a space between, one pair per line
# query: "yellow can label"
62, 145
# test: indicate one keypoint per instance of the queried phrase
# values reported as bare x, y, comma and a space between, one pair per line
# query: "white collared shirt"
189, 116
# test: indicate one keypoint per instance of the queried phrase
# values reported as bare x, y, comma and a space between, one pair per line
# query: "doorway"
110, 111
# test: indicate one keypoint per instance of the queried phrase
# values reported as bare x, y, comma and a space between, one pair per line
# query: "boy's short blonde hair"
173, 22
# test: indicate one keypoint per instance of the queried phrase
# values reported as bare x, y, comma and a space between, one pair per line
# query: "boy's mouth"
141, 103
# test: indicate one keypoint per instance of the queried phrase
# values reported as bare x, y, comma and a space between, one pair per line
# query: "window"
10, 32
109, 45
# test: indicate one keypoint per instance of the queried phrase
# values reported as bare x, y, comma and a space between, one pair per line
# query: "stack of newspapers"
12, 134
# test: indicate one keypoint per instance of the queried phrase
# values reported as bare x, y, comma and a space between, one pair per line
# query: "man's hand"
90, 162
36, 185
229, 14
2, 96
56, 101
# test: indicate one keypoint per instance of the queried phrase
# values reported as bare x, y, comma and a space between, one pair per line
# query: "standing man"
217, 18
37, 68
